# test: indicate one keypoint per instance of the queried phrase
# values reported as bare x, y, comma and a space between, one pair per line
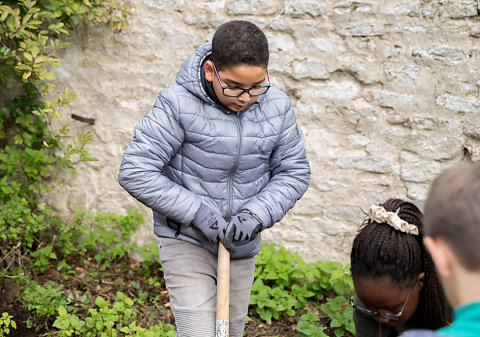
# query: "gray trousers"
191, 278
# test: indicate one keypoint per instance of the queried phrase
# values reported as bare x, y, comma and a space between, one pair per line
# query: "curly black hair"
239, 42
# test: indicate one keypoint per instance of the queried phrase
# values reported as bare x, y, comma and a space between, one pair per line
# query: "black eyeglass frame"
266, 87
386, 315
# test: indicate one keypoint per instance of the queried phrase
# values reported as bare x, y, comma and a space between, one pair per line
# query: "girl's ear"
209, 72
421, 280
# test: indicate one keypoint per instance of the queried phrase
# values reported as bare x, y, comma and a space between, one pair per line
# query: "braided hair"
379, 250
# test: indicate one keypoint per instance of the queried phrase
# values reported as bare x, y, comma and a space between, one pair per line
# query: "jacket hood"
189, 75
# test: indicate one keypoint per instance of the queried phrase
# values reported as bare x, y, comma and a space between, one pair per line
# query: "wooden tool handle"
223, 291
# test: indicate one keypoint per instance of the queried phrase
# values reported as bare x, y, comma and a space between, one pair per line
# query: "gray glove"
243, 227
209, 223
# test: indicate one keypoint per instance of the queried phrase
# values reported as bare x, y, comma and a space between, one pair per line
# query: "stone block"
253, 7
417, 169
445, 53
474, 150
460, 9
358, 140
458, 104
433, 145
389, 99
170, 5
471, 125
411, 175
297, 8
330, 184
362, 30
332, 90
322, 45
418, 29
411, 75
417, 191
310, 69
281, 43
374, 164
399, 9
363, 72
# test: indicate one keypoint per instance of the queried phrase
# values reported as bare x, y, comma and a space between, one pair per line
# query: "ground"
255, 328
107, 285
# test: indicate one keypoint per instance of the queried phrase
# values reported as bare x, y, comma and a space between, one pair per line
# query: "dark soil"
8, 293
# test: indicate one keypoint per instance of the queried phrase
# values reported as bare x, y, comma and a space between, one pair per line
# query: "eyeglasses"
386, 315
236, 92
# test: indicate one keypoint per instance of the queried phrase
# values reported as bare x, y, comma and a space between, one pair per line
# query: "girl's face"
382, 295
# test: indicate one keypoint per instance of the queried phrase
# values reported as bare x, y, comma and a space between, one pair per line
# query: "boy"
218, 158
452, 226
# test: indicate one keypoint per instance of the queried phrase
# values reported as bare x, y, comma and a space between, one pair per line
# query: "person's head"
452, 227
239, 60
391, 271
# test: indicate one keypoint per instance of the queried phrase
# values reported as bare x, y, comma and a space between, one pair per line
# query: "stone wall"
386, 92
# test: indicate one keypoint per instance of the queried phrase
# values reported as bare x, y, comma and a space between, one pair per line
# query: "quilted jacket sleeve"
157, 138
290, 175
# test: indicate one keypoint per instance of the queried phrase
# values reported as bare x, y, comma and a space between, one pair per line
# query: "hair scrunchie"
381, 215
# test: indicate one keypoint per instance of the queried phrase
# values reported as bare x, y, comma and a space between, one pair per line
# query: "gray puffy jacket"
188, 150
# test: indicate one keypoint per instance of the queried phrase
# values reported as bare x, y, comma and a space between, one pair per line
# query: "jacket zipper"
235, 166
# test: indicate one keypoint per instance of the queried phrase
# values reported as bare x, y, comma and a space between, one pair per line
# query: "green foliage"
107, 240
98, 241
30, 34
284, 284
42, 258
331, 276
6, 322
106, 320
23, 218
44, 301
340, 313
308, 326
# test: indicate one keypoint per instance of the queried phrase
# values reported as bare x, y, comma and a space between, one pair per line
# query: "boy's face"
242, 76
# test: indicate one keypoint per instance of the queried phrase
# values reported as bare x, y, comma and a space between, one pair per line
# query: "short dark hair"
452, 212
239, 42
379, 251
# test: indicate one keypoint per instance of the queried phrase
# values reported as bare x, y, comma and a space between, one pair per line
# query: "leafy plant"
104, 234
42, 258
108, 321
284, 284
6, 322
340, 313
43, 301
308, 326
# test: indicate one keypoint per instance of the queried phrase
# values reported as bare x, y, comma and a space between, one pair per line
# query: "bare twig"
11, 250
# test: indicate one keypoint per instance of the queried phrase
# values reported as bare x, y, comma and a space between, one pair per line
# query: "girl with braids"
396, 286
